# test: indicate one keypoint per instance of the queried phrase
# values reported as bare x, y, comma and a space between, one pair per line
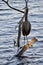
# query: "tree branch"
12, 7
19, 31
28, 45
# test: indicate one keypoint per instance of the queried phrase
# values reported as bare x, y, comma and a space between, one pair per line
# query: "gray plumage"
26, 28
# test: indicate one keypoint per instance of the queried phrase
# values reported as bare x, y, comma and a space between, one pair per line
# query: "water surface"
8, 32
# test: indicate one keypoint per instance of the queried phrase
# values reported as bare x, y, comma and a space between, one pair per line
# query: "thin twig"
12, 7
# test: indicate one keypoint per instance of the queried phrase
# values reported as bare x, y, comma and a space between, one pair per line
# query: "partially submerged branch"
28, 45
12, 7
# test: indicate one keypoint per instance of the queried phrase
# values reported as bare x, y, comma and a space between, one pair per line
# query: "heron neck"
26, 14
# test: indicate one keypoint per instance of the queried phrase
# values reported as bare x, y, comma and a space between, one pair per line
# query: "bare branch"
26, 1
12, 7
25, 47
19, 31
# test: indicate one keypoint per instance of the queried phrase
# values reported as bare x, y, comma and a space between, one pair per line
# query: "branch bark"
28, 45
12, 7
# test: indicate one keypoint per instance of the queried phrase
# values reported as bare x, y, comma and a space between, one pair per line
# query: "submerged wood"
25, 47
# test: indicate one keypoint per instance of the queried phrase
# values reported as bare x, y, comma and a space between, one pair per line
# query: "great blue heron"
26, 26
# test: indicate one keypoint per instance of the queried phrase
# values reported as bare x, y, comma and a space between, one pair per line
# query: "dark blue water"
8, 32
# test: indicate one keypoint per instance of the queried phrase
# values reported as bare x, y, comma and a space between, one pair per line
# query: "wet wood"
28, 45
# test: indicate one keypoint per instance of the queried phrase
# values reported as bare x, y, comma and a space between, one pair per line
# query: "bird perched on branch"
26, 26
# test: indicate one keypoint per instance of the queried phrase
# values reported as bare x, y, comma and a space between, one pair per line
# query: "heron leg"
27, 38
24, 39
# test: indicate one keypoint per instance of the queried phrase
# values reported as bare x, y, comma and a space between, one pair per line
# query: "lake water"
8, 32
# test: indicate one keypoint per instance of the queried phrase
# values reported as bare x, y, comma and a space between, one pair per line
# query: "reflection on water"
8, 33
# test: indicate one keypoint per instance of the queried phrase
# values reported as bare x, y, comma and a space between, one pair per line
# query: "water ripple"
8, 33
